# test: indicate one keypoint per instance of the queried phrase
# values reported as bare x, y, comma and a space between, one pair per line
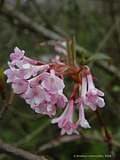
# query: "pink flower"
42, 89
18, 59
81, 102
94, 96
17, 55
65, 121
13, 74
82, 120
19, 86
36, 95
61, 100
53, 83
21, 68
10, 75
45, 108
31, 70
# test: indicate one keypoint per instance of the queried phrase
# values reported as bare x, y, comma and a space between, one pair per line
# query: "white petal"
100, 102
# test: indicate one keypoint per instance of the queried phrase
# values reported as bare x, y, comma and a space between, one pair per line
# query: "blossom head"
39, 85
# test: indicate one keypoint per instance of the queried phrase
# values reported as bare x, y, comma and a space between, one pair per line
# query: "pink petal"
82, 120
45, 108
17, 55
53, 83
10, 75
19, 86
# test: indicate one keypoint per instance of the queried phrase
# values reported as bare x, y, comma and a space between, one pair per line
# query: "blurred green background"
96, 27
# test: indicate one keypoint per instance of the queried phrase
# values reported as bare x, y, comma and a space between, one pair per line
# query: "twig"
28, 138
67, 139
57, 142
28, 23
9, 149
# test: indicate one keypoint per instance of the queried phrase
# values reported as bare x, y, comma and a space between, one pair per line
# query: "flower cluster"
37, 84
42, 85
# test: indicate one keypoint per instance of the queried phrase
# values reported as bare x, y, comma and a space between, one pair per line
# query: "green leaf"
98, 56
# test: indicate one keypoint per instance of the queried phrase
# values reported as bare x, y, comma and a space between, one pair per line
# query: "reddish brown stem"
74, 92
67, 70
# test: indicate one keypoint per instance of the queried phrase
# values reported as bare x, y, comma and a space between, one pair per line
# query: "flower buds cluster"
42, 88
